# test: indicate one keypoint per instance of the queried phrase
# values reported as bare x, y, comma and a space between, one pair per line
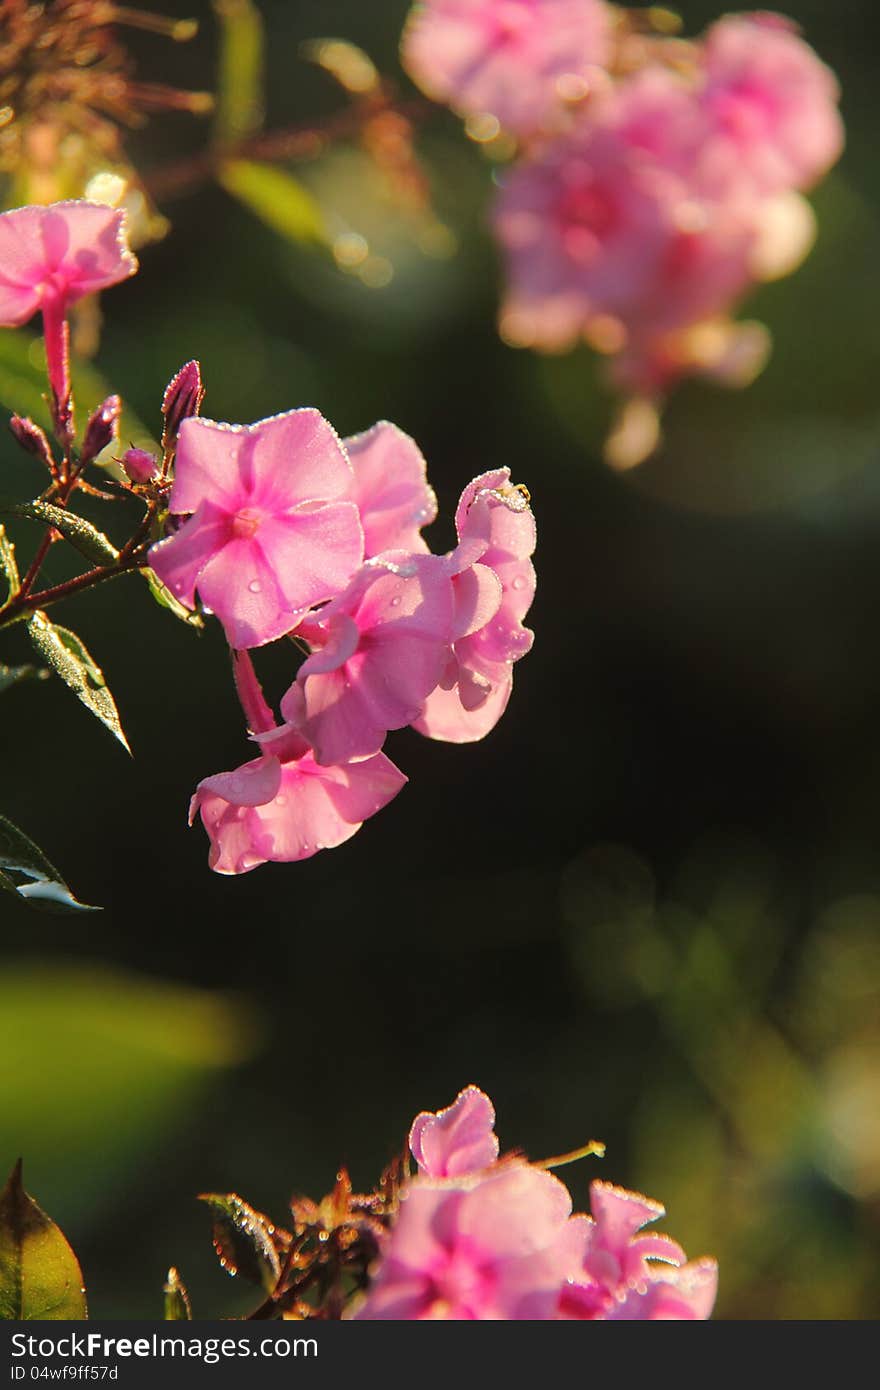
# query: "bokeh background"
646, 909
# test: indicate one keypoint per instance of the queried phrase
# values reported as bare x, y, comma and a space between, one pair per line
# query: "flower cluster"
656, 180
284, 530
476, 1236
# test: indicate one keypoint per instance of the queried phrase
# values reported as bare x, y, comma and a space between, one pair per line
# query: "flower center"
245, 524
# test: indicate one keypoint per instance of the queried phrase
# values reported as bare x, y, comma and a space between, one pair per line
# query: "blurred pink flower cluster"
656, 180
283, 530
478, 1237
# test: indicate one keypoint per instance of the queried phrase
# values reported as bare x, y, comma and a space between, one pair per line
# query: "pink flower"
390, 489
379, 650
770, 101
514, 59
494, 588
494, 1246
52, 256
620, 1277
460, 1139
269, 534
285, 809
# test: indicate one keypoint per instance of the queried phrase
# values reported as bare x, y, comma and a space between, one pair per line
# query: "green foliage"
277, 198
26, 872
40, 1276
8, 564
69, 658
177, 1304
165, 599
240, 101
243, 1239
103, 1067
83, 536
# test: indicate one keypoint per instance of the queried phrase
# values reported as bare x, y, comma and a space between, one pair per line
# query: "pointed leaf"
177, 1304
166, 599
40, 1276
240, 101
70, 659
8, 565
243, 1239
277, 198
85, 537
11, 675
25, 871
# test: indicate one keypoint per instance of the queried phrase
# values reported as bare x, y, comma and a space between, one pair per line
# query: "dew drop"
255, 586
519, 582
395, 602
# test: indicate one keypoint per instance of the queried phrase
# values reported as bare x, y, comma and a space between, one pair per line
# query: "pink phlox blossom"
52, 256
495, 1245
390, 489
497, 537
378, 651
269, 532
771, 104
460, 1139
517, 60
283, 806
625, 1275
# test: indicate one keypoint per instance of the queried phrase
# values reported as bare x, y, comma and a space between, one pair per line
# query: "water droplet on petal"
519, 582
395, 602
255, 586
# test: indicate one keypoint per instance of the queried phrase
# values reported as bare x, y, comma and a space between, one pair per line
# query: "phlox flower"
460, 1139
770, 102
269, 532
490, 1246
379, 650
52, 256
49, 258
625, 1275
288, 808
494, 589
512, 59
390, 489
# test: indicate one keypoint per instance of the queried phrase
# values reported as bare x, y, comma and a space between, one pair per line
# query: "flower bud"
102, 429
183, 397
140, 467
31, 438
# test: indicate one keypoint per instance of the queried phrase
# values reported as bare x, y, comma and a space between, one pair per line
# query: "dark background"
645, 909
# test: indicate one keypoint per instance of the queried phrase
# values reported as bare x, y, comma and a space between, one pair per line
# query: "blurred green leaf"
8, 564
23, 383
70, 659
85, 537
277, 198
243, 1239
240, 101
43, 886
13, 675
40, 1276
166, 599
102, 1067
177, 1304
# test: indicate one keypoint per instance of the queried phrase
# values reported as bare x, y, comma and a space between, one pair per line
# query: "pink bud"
183, 397
139, 465
102, 429
31, 438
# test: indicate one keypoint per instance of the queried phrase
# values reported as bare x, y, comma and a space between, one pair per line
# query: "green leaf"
69, 658
166, 599
40, 1277
25, 871
177, 1304
23, 383
12, 675
8, 564
277, 198
240, 101
243, 1239
85, 537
